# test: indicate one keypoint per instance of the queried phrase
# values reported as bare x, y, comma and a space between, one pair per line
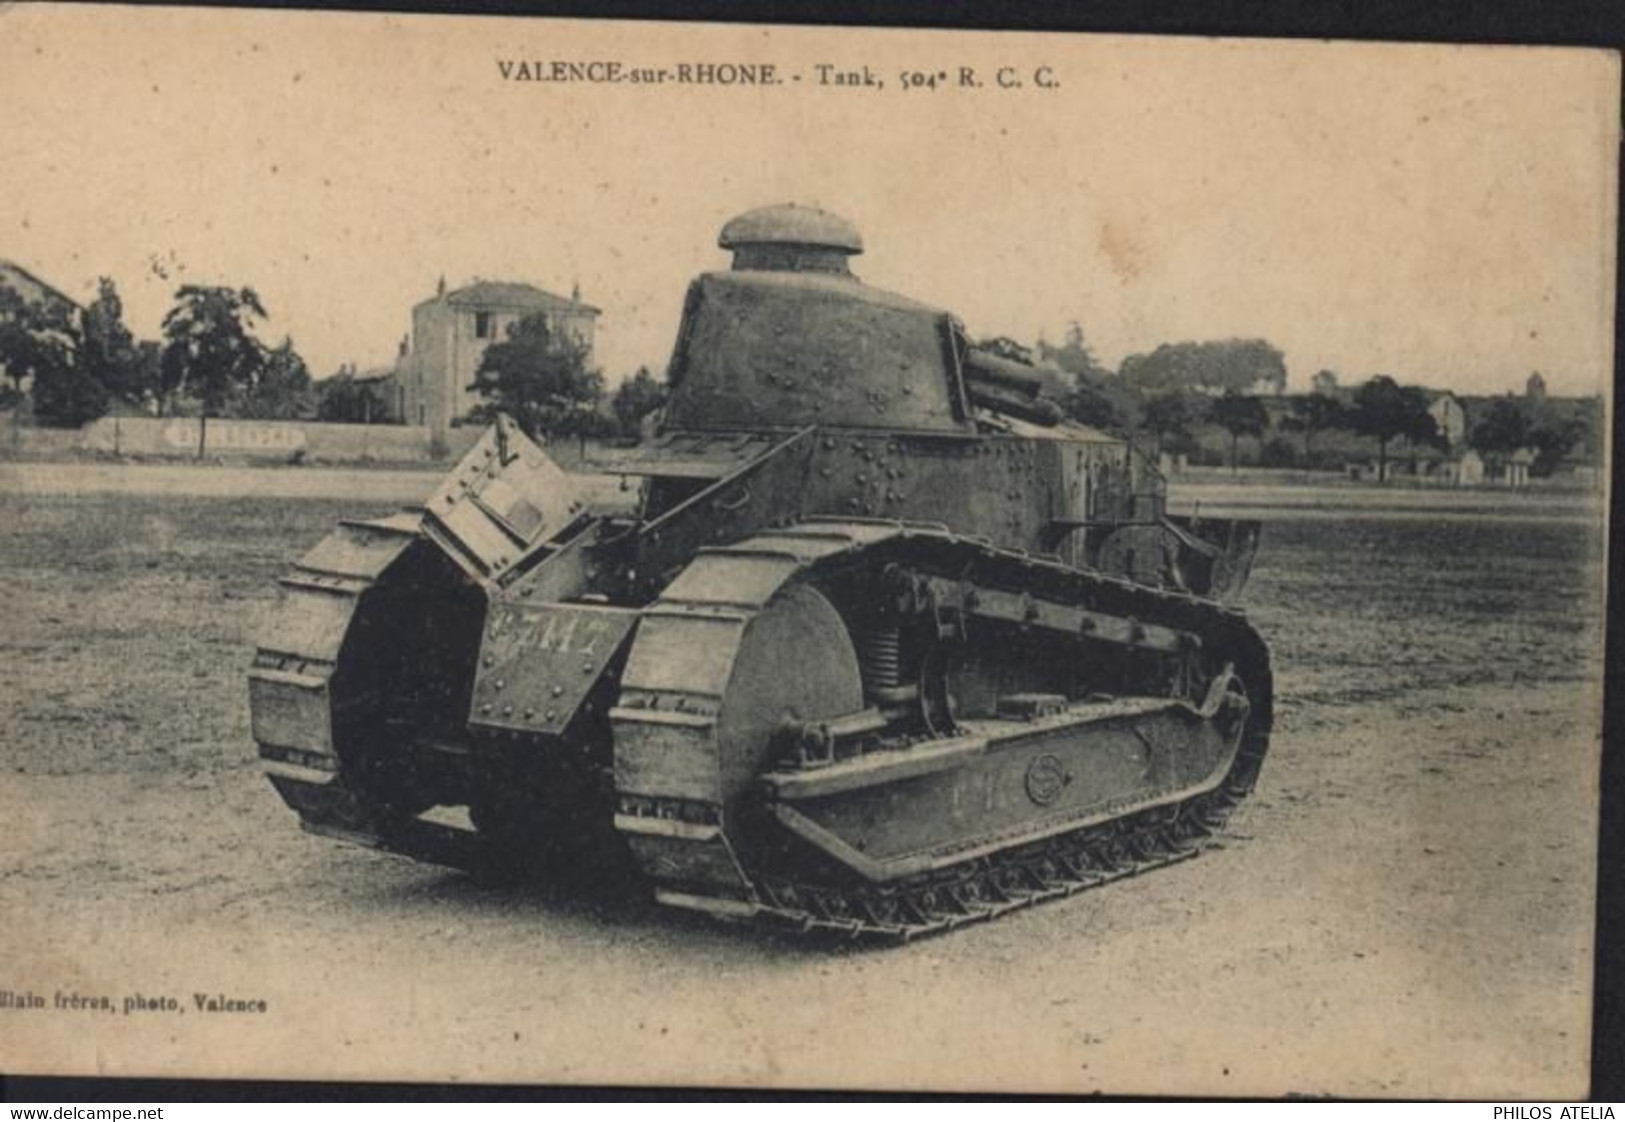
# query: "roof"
44, 286
513, 294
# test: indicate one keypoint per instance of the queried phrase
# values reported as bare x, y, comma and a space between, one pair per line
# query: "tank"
887, 646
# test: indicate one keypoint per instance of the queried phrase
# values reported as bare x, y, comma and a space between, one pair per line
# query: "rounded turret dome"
791, 238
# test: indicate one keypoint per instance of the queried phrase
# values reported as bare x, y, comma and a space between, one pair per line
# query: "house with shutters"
450, 332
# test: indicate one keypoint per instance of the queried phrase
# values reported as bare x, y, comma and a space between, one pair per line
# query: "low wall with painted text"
177, 437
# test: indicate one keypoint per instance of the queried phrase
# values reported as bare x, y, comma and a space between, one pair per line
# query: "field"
1404, 908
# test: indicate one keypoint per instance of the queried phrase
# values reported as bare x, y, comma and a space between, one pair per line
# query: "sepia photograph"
591, 552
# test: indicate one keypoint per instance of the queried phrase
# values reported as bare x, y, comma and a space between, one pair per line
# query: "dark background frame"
1575, 23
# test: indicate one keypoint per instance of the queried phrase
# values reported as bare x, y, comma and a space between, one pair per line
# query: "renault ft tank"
888, 645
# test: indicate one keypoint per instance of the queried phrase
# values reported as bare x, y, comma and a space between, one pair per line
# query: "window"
482, 325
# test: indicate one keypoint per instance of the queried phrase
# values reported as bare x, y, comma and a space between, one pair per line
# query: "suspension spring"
880, 658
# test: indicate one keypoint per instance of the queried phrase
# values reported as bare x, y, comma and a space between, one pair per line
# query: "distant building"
32, 289
1515, 472
1447, 412
1466, 470
1426, 467
1534, 390
450, 332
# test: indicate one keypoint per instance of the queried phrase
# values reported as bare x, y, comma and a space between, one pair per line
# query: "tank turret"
889, 644
791, 239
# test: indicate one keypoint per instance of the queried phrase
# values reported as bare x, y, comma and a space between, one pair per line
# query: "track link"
993, 886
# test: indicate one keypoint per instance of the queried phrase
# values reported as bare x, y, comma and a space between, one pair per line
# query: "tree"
540, 378
636, 398
1172, 416
1386, 410
40, 340
1503, 429
1553, 440
1104, 404
1278, 452
43, 340
1239, 415
1316, 412
210, 351
281, 390
150, 375
17, 344
1324, 383
66, 395
33, 336
1092, 393
109, 353
1074, 356
1242, 365
1508, 426
343, 399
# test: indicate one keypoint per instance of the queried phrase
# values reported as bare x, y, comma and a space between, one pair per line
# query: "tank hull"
867, 728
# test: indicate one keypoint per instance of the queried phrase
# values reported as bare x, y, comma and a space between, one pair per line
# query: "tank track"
988, 886
992, 886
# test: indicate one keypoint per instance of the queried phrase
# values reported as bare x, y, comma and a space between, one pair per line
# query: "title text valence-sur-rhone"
615, 72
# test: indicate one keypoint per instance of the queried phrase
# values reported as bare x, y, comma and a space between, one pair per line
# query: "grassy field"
1404, 908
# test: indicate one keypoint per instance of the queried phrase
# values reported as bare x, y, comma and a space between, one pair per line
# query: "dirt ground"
1403, 909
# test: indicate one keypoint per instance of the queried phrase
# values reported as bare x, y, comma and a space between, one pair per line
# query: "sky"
1441, 214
